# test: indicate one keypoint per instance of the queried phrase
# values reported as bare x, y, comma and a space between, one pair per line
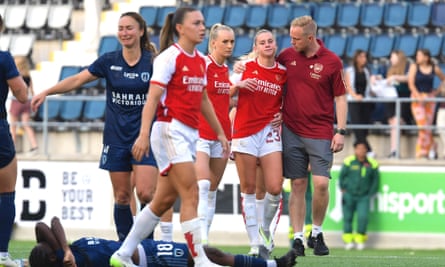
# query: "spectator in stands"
440, 118
256, 138
420, 81
359, 181
22, 112
177, 93
357, 77
210, 160
397, 75
127, 73
52, 249
10, 78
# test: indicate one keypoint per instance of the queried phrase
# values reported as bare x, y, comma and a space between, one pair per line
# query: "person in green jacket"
359, 181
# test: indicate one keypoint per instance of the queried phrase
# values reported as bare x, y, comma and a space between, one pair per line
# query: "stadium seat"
300, 9
278, 16
395, 14
243, 46
283, 42
94, 110
162, 13
438, 14
68, 71
15, 16
21, 44
348, 14
256, 16
418, 14
381, 45
355, 42
235, 16
53, 109
325, 14
336, 43
59, 19
36, 18
407, 43
3, 7
108, 43
371, 14
213, 14
203, 46
432, 42
149, 13
71, 110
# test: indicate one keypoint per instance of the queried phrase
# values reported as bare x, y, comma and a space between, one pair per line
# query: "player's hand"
249, 84
277, 120
225, 145
338, 142
69, 260
140, 147
37, 100
239, 67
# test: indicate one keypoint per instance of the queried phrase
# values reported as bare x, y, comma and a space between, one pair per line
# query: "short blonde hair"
307, 23
23, 65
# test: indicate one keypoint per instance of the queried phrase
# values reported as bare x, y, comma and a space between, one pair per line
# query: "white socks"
166, 231
250, 218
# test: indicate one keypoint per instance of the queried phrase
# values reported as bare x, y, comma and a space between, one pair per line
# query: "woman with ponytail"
177, 96
127, 73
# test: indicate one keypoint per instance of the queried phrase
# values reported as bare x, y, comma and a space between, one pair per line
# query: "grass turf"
337, 257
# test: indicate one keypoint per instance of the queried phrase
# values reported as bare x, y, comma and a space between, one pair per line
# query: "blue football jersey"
8, 70
91, 251
126, 92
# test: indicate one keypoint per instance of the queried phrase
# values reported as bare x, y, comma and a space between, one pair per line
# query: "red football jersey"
256, 109
218, 89
183, 77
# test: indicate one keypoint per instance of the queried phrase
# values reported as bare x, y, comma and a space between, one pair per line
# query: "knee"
122, 197
145, 195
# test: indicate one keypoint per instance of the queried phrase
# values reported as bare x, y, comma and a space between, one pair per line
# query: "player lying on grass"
53, 250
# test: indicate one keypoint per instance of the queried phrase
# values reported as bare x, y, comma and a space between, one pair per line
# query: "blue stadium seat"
418, 14
355, 42
71, 110
243, 46
67, 71
325, 14
256, 16
94, 110
149, 13
283, 42
438, 14
432, 42
300, 9
213, 14
348, 14
108, 43
235, 16
204, 45
371, 14
336, 43
407, 43
53, 109
395, 14
278, 16
162, 13
381, 45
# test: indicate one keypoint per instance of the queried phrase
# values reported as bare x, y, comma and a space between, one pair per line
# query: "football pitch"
337, 257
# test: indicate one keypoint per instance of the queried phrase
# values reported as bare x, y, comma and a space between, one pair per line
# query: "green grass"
337, 258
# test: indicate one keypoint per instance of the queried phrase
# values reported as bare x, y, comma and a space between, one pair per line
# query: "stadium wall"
410, 205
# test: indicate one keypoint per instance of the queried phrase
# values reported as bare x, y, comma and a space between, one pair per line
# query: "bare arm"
209, 114
141, 145
59, 233
19, 88
341, 109
66, 85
